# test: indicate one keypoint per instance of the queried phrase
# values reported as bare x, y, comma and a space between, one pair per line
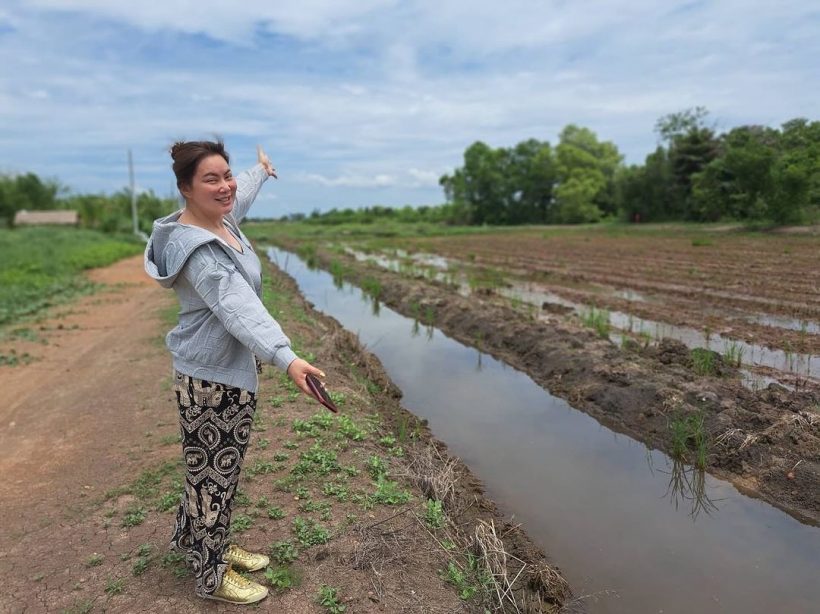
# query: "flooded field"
633, 529
755, 299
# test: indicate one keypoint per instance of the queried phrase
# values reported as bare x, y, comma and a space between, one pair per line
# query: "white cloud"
379, 97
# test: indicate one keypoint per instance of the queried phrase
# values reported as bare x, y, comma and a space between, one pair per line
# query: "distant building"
60, 217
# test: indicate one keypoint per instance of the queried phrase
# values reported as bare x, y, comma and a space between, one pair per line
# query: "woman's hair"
188, 154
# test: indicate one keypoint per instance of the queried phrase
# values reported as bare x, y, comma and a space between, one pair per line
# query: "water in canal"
631, 531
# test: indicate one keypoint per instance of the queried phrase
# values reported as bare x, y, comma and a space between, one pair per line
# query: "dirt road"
92, 476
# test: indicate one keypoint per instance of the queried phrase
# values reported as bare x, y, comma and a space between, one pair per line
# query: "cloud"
375, 99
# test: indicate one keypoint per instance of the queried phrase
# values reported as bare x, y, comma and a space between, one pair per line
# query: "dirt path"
90, 460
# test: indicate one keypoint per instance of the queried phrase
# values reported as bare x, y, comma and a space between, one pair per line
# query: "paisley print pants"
215, 421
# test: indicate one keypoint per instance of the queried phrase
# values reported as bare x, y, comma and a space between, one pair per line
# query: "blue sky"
370, 101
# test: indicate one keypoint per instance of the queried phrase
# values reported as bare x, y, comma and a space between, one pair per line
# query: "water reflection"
687, 487
795, 365
649, 535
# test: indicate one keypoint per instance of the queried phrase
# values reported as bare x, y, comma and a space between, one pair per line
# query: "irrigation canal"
632, 531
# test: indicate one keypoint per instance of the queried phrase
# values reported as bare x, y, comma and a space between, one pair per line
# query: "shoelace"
236, 579
238, 553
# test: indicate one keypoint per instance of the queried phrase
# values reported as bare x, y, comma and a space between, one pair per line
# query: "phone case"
320, 392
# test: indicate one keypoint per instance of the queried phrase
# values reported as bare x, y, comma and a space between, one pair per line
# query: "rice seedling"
734, 354
597, 320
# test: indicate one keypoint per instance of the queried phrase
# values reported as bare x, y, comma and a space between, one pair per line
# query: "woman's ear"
185, 190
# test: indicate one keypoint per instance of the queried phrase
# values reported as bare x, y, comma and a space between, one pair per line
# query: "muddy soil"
702, 281
767, 442
92, 472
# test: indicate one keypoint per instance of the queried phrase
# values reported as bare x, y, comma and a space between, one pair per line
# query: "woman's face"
212, 188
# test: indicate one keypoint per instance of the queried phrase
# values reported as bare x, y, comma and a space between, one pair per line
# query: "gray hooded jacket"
222, 321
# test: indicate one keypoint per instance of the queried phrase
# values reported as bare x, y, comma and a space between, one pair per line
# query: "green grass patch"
41, 267
703, 361
690, 441
597, 320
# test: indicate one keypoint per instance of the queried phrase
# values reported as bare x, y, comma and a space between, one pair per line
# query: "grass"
597, 320
688, 435
733, 354
41, 267
703, 361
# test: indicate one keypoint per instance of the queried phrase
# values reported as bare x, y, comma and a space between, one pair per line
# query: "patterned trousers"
215, 421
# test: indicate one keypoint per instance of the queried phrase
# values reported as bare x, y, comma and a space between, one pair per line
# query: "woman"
223, 332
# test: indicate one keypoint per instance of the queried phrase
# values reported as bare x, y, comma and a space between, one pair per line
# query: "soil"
766, 442
92, 470
709, 282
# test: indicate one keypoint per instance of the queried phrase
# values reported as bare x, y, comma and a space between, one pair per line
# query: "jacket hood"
169, 247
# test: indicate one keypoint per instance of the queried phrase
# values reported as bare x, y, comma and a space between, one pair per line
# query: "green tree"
585, 170
692, 145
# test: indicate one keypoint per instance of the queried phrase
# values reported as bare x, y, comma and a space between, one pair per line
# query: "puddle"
632, 530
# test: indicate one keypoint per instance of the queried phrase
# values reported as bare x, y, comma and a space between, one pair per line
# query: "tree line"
749, 173
108, 213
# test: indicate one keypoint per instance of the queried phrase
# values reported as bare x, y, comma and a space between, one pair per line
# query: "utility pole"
136, 227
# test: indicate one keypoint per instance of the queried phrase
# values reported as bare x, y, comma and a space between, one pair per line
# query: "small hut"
56, 217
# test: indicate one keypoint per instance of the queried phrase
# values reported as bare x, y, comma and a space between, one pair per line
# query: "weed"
349, 429
94, 560
309, 533
280, 457
168, 501
261, 467
701, 242
282, 577
241, 523
455, 576
433, 514
332, 489
134, 516
317, 460
376, 466
114, 587
329, 599
290, 445
144, 549
275, 512
258, 423
388, 440
283, 552
140, 566
703, 361
277, 401
389, 493
263, 443
351, 471
241, 498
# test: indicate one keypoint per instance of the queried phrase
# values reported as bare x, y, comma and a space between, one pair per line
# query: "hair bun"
176, 148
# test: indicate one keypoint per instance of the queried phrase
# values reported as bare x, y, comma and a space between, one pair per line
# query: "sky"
364, 102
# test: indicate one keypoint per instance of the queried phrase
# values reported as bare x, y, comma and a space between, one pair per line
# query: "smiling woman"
224, 332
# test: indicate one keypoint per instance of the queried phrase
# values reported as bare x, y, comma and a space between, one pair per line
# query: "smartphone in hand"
320, 392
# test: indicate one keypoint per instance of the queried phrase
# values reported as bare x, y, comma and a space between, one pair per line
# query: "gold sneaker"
236, 589
243, 560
